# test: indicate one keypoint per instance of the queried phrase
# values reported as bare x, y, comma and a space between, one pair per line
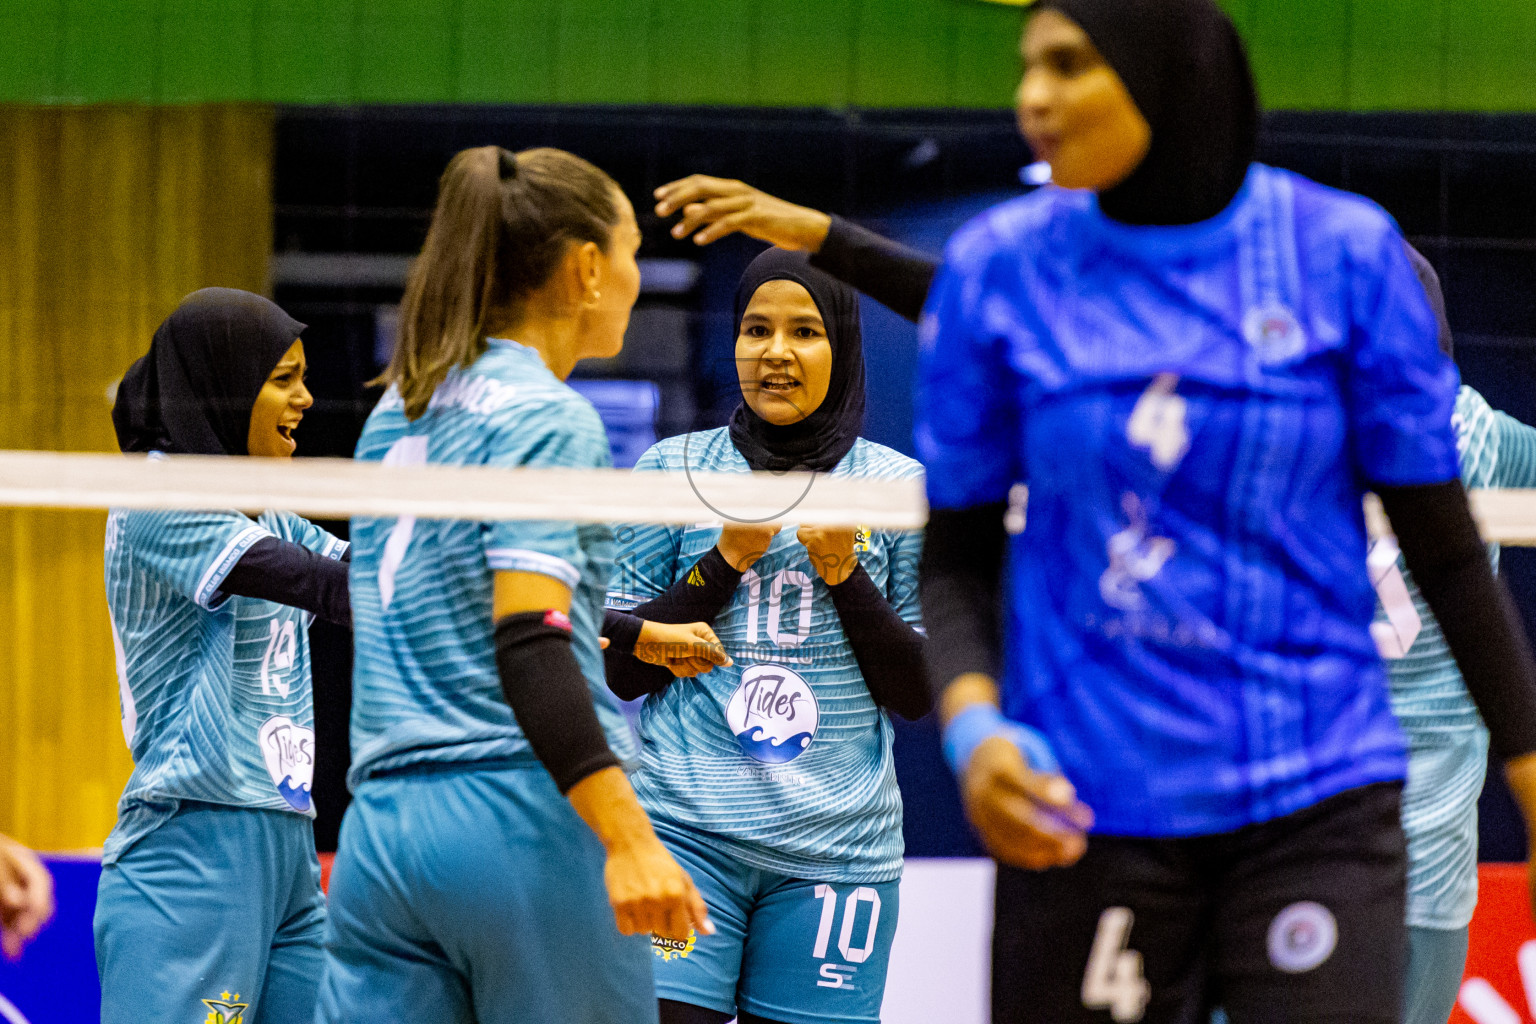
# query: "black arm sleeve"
622, 630
628, 677
549, 697
698, 596
291, 574
1449, 563
961, 578
892, 274
889, 652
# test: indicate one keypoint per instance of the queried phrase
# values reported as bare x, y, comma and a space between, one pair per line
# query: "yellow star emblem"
227, 1009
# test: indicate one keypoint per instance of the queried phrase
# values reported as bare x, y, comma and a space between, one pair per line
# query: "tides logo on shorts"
773, 714
669, 949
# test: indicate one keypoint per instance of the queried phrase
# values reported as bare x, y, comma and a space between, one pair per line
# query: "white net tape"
340, 488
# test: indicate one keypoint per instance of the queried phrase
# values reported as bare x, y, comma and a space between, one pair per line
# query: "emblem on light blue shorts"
227, 1009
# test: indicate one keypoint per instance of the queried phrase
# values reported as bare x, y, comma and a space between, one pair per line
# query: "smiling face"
783, 354
280, 406
1074, 110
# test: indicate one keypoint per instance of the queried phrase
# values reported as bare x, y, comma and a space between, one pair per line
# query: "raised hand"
716, 207
742, 544
831, 549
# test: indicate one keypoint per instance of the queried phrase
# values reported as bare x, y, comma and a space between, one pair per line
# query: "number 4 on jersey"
1157, 422
1114, 981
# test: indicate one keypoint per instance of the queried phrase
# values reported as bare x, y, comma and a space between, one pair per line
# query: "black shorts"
1295, 920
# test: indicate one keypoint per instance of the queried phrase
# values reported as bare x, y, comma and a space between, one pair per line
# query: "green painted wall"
1309, 54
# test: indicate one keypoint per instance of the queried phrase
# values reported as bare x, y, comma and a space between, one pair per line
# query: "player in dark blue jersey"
209, 902
1198, 365
1447, 739
495, 865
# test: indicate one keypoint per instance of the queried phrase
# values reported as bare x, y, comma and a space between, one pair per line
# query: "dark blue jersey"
1197, 411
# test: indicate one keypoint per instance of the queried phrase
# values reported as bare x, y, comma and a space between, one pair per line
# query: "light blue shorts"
214, 916
788, 949
1436, 961
475, 894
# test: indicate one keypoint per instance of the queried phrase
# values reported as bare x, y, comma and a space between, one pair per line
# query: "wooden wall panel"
108, 216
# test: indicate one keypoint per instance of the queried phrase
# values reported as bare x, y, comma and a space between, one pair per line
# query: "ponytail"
502, 224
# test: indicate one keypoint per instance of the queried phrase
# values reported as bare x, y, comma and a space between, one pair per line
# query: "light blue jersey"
425, 686
1447, 741
216, 695
783, 758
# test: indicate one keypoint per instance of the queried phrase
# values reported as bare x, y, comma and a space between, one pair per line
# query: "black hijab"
193, 391
819, 441
1184, 65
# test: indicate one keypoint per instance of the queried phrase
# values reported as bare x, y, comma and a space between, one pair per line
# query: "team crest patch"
1302, 937
289, 751
227, 1009
674, 949
773, 714
861, 540
1274, 334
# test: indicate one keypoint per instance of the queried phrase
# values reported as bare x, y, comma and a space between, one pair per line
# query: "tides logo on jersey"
289, 751
773, 714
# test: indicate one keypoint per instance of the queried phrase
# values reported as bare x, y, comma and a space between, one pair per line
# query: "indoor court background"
152, 147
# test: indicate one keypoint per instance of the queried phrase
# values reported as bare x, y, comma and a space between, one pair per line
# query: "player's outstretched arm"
716, 207
26, 896
887, 271
650, 893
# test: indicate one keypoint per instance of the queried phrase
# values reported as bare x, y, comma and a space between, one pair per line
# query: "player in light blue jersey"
771, 779
1198, 365
1447, 741
489, 798
209, 904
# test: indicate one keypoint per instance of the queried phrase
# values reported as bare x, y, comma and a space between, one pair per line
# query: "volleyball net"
342, 488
